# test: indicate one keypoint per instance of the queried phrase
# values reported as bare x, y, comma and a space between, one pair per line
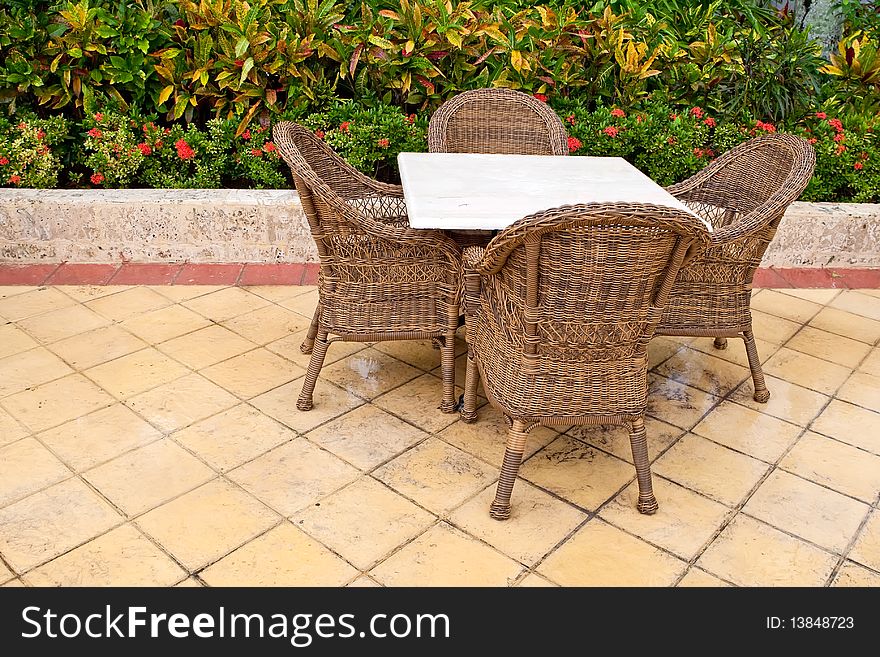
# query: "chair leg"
309, 342
516, 445
472, 378
639, 442
304, 403
720, 343
447, 368
761, 392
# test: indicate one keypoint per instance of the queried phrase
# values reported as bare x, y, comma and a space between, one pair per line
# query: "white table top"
476, 191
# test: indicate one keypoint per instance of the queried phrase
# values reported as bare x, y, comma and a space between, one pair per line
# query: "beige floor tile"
847, 324
750, 553
83, 293
7, 291
821, 516
99, 436
13, 340
862, 389
226, 303
293, 476
366, 437
788, 401
165, 323
63, 323
577, 472
206, 346
128, 303
660, 348
13, 584
836, 465
370, 373
56, 402
700, 578
37, 302
10, 429
736, 351
785, 305
866, 550
487, 437
148, 476
538, 522
748, 431
363, 522
121, 557
207, 523
232, 437
26, 467
283, 556
51, 522
676, 403
178, 293
871, 364
329, 402
771, 328
276, 293
855, 302
808, 371
28, 369
821, 296
710, 469
850, 424
852, 574
870, 292
267, 324
699, 370
684, 523
95, 347
443, 556
5, 573
189, 583
253, 373
533, 581
289, 348
363, 582
418, 402
135, 373
418, 353
304, 304
602, 555
436, 475
181, 402
829, 346
615, 439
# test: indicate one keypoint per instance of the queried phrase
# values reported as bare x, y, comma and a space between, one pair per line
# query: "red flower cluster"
383, 143
541, 97
269, 147
40, 135
611, 131
836, 124
15, 179
411, 119
839, 137
673, 116
319, 134
246, 135
570, 119
184, 150
94, 132
99, 117
858, 166
618, 113
766, 127
144, 148
639, 118
3, 161
256, 152
704, 152
840, 149
344, 126
574, 144
821, 115
97, 178
697, 112
812, 140
671, 140
709, 122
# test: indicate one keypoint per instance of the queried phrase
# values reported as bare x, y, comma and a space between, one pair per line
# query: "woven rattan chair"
560, 309
496, 121
743, 194
379, 279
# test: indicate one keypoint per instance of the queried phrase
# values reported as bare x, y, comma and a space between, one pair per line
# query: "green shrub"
29, 151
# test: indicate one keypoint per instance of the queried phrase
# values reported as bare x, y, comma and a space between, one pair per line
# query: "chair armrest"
471, 258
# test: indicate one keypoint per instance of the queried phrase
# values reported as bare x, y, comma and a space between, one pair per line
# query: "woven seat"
560, 309
379, 279
500, 121
743, 194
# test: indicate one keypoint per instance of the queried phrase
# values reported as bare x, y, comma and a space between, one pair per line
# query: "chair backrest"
585, 282
496, 121
774, 168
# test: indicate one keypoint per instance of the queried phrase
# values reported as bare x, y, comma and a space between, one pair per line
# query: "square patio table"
484, 192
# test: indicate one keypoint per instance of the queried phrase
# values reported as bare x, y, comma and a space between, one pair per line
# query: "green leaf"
165, 94
179, 107
384, 44
241, 46
245, 69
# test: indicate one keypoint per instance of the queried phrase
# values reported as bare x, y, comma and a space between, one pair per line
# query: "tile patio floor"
149, 436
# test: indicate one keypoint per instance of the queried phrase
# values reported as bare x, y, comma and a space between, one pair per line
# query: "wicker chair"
379, 279
560, 309
496, 121
743, 194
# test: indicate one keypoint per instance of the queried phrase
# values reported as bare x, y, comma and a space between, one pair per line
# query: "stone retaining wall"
218, 226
